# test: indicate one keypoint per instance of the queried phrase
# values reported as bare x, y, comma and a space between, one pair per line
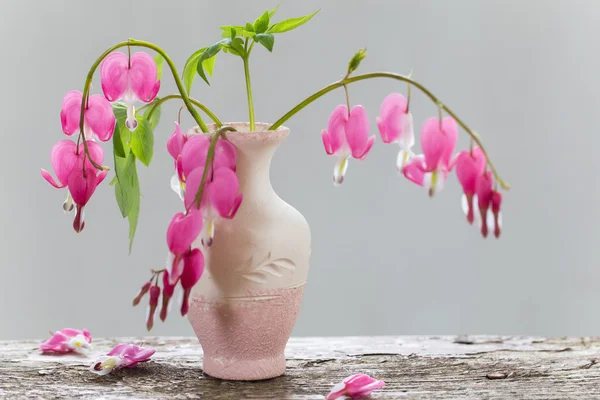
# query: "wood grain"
419, 367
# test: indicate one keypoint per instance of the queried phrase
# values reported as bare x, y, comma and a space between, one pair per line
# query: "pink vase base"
245, 338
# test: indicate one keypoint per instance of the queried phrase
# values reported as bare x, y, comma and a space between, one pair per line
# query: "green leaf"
236, 47
262, 23
159, 60
292, 23
229, 31
124, 189
155, 117
249, 27
134, 212
273, 11
142, 141
209, 53
191, 69
121, 140
120, 111
266, 39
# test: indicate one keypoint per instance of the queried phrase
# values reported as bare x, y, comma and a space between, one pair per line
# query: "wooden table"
418, 367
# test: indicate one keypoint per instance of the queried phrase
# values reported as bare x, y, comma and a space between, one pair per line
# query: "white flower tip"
104, 365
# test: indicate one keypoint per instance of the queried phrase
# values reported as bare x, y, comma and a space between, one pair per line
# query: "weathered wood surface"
474, 367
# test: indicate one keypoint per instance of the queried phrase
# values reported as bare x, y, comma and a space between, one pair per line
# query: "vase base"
244, 370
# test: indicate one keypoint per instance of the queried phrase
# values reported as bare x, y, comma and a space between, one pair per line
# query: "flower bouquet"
238, 253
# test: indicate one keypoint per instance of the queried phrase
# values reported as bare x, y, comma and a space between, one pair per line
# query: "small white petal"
68, 204
105, 364
169, 262
339, 171
490, 219
407, 141
176, 186
464, 203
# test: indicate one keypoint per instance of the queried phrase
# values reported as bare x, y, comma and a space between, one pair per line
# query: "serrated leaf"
273, 11
142, 141
210, 52
261, 24
266, 39
155, 117
292, 23
191, 69
159, 60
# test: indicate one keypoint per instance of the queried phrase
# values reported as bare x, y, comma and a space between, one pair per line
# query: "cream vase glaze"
245, 305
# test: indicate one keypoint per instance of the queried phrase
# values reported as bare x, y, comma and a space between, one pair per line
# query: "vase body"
245, 305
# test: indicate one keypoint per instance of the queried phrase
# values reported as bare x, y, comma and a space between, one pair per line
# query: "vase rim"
243, 131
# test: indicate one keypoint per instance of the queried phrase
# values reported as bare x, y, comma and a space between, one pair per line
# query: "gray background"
386, 259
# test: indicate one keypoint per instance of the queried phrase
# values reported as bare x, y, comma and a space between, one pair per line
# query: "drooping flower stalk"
195, 102
389, 75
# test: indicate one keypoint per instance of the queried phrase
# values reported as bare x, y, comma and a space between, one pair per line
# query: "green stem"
248, 85
195, 102
140, 43
474, 136
209, 159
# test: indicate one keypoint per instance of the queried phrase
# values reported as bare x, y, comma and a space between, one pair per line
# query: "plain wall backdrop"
386, 259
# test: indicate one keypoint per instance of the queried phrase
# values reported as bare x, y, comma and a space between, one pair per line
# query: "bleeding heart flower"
193, 266
68, 340
182, 231
122, 356
469, 167
195, 151
82, 185
355, 386
221, 198
486, 205
129, 79
167, 293
396, 126
347, 135
152, 304
437, 141
68, 163
99, 119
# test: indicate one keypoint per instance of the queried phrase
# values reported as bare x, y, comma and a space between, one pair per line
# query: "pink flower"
192, 271
167, 293
176, 142
122, 356
486, 205
396, 126
129, 79
82, 179
68, 340
355, 386
153, 303
195, 151
469, 167
182, 232
82, 185
221, 198
347, 135
99, 120
437, 141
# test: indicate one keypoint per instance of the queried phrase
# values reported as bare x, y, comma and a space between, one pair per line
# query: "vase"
245, 305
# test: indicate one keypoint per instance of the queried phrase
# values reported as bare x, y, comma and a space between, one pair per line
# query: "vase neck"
254, 154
